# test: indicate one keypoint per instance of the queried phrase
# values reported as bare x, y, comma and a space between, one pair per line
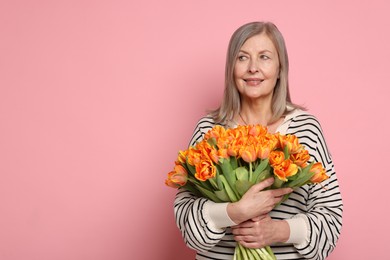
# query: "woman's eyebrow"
262, 51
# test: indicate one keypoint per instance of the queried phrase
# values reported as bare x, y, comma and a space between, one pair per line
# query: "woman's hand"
256, 202
261, 231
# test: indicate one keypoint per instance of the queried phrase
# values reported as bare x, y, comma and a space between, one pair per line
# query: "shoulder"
307, 127
300, 120
309, 131
203, 125
206, 122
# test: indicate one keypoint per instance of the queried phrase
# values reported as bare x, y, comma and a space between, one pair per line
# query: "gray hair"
231, 102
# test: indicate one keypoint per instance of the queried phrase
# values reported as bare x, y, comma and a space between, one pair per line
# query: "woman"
308, 224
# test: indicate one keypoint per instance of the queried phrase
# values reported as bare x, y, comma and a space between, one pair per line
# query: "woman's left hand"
261, 231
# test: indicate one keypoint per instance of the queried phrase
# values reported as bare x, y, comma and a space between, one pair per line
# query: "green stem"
236, 254
265, 254
254, 254
244, 252
270, 252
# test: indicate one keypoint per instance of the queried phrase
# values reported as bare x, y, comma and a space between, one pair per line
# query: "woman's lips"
253, 81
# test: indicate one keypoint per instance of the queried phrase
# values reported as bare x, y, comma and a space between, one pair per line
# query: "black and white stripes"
321, 207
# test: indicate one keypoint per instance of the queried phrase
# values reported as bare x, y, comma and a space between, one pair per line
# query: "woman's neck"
253, 113
256, 112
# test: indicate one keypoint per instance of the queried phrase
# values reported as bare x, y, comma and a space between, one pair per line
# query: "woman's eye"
264, 57
241, 58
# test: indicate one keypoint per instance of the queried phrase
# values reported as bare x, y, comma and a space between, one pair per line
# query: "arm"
261, 231
203, 222
311, 218
323, 217
193, 219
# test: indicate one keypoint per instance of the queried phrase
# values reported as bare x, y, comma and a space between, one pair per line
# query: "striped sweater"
320, 208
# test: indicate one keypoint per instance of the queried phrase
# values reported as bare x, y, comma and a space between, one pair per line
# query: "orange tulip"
224, 142
319, 173
263, 151
193, 156
182, 157
286, 169
257, 130
214, 155
248, 154
216, 132
276, 158
300, 158
223, 153
233, 150
233, 134
239, 132
265, 145
292, 143
205, 170
177, 177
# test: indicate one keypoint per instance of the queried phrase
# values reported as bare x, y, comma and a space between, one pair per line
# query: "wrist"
216, 215
299, 229
282, 231
235, 212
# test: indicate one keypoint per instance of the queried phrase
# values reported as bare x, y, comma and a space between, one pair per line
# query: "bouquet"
227, 162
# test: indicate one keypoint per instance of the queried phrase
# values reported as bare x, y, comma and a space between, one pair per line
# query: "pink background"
97, 97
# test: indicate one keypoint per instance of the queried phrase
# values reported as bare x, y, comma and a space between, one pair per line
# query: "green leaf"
303, 177
190, 168
219, 182
295, 176
213, 183
263, 175
243, 186
230, 192
227, 172
222, 195
242, 173
278, 183
233, 162
208, 194
261, 167
204, 184
190, 187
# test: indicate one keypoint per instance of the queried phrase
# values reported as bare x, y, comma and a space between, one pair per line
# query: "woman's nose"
253, 67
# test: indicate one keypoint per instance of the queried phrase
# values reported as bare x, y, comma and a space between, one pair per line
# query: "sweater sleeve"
194, 215
324, 204
198, 230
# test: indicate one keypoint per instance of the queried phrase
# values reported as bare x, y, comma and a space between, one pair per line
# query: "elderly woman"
305, 226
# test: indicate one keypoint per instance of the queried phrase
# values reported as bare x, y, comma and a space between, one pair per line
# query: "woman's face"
257, 68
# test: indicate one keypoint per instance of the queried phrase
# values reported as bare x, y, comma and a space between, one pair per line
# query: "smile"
253, 81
